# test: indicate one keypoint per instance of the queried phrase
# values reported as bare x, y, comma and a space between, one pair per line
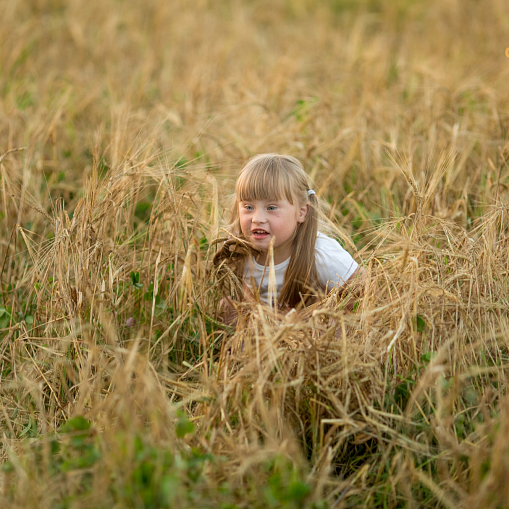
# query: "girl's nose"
259, 217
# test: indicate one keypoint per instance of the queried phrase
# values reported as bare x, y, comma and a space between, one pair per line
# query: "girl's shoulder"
329, 250
325, 243
333, 263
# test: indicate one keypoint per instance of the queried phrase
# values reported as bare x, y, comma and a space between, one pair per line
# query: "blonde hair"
277, 177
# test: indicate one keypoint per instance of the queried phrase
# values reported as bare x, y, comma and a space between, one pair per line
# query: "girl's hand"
228, 308
228, 314
355, 287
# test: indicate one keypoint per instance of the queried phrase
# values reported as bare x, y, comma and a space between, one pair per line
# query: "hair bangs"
264, 182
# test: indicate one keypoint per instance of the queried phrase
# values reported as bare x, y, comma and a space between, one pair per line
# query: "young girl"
276, 206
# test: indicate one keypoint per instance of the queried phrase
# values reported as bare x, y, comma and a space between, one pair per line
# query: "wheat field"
123, 125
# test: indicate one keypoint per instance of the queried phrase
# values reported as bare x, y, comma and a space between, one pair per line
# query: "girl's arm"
336, 265
358, 278
227, 309
227, 313
354, 287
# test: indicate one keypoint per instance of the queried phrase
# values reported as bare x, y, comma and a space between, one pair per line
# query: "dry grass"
131, 119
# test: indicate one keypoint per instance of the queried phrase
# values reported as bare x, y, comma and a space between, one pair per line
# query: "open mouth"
259, 234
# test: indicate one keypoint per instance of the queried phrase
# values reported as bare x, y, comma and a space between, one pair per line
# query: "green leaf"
298, 491
8, 467
85, 460
204, 243
135, 279
420, 323
78, 423
160, 303
30, 429
184, 426
471, 396
426, 357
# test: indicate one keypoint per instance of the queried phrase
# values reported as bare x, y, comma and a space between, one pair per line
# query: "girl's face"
262, 220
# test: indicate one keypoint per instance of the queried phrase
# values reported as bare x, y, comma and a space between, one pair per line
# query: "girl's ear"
302, 213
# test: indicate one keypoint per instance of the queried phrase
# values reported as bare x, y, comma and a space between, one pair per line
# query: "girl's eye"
271, 207
248, 207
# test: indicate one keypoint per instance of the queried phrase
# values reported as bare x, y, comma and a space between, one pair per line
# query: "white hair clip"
310, 192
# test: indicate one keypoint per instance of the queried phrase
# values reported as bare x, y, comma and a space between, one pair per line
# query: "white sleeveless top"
333, 264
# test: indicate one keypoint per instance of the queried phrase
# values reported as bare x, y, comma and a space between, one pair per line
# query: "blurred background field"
122, 126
